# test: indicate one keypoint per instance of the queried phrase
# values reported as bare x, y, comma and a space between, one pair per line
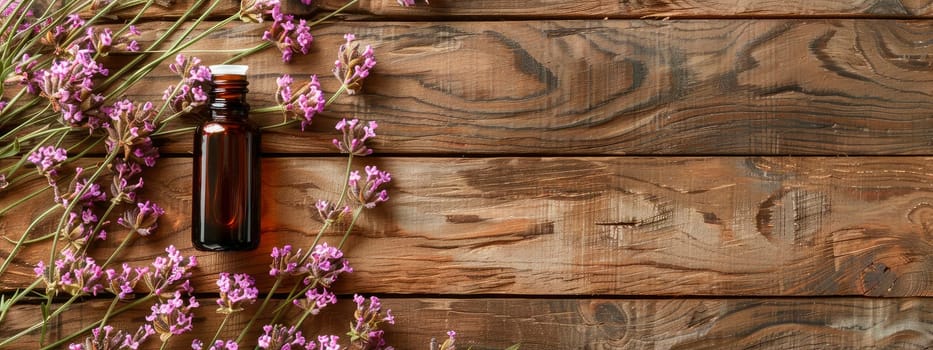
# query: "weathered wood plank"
730, 226
451, 9
823, 323
693, 87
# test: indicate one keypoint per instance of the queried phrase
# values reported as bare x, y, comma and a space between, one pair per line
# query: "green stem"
113, 304
356, 215
332, 14
36, 326
24, 199
303, 317
262, 46
164, 343
262, 307
219, 328
19, 245
87, 328
126, 241
176, 131
17, 296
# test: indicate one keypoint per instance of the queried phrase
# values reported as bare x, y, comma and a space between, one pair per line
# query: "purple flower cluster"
315, 300
128, 128
169, 271
190, 95
107, 337
370, 192
126, 181
329, 211
197, 344
329, 342
365, 333
69, 86
325, 265
449, 344
142, 219
280, 337
173, 316
47, 160
286, 262
352, 66
302, 104
80, 189
122, 283
72, 274
355, 134
236, 291
253, 10
287, 35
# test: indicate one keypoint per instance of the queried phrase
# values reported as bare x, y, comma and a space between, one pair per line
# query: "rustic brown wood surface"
440, 9
743, 87
495, 323
592, 174
609, 226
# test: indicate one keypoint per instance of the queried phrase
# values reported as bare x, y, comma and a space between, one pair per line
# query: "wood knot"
877, 280
922, 215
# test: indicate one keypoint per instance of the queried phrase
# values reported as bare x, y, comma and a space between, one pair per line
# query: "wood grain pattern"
554, 324
730, 226
691, 87
451, 9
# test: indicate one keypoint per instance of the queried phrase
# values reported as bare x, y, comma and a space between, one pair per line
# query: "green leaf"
10, 150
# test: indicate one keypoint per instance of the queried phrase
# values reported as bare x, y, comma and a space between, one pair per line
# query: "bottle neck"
228, 97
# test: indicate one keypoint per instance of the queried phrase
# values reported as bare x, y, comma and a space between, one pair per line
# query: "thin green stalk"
19, 245
164, 343
262, 307
219, 328
356, 215
177, 47
17, 296
262, 46
36, 326
132, 65
126, 241
24, 199
113, 304
332, 14
303, 317
87, 328
37, 118
176, 131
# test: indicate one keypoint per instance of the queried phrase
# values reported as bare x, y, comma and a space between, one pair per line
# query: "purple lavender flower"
69, 87
47, 160
190, 95
329, 212
284, 262
135, 340
143, 219
123, 189
287, 35
329, 342
325, 265
173, 316
352, 66
253, 10
218, 345
235, 292
304, 103
355, 134
80, 189
449, 343
71, 274
122, 283
315, 300
407, 3
25, 71
281, 337
128, 128
370, 192
365, 333
106, 337
168, 271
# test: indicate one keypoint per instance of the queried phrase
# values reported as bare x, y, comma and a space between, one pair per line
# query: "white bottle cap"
225, 69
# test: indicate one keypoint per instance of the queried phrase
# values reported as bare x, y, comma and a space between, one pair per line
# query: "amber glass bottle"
225, 204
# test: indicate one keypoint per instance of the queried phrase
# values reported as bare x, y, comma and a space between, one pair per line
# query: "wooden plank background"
750, 174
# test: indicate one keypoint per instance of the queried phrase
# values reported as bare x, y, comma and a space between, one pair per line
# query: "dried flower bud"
304, 103
241, 289
352, 66
281, 337
173, 316
355, 134
253, 10
143, 219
